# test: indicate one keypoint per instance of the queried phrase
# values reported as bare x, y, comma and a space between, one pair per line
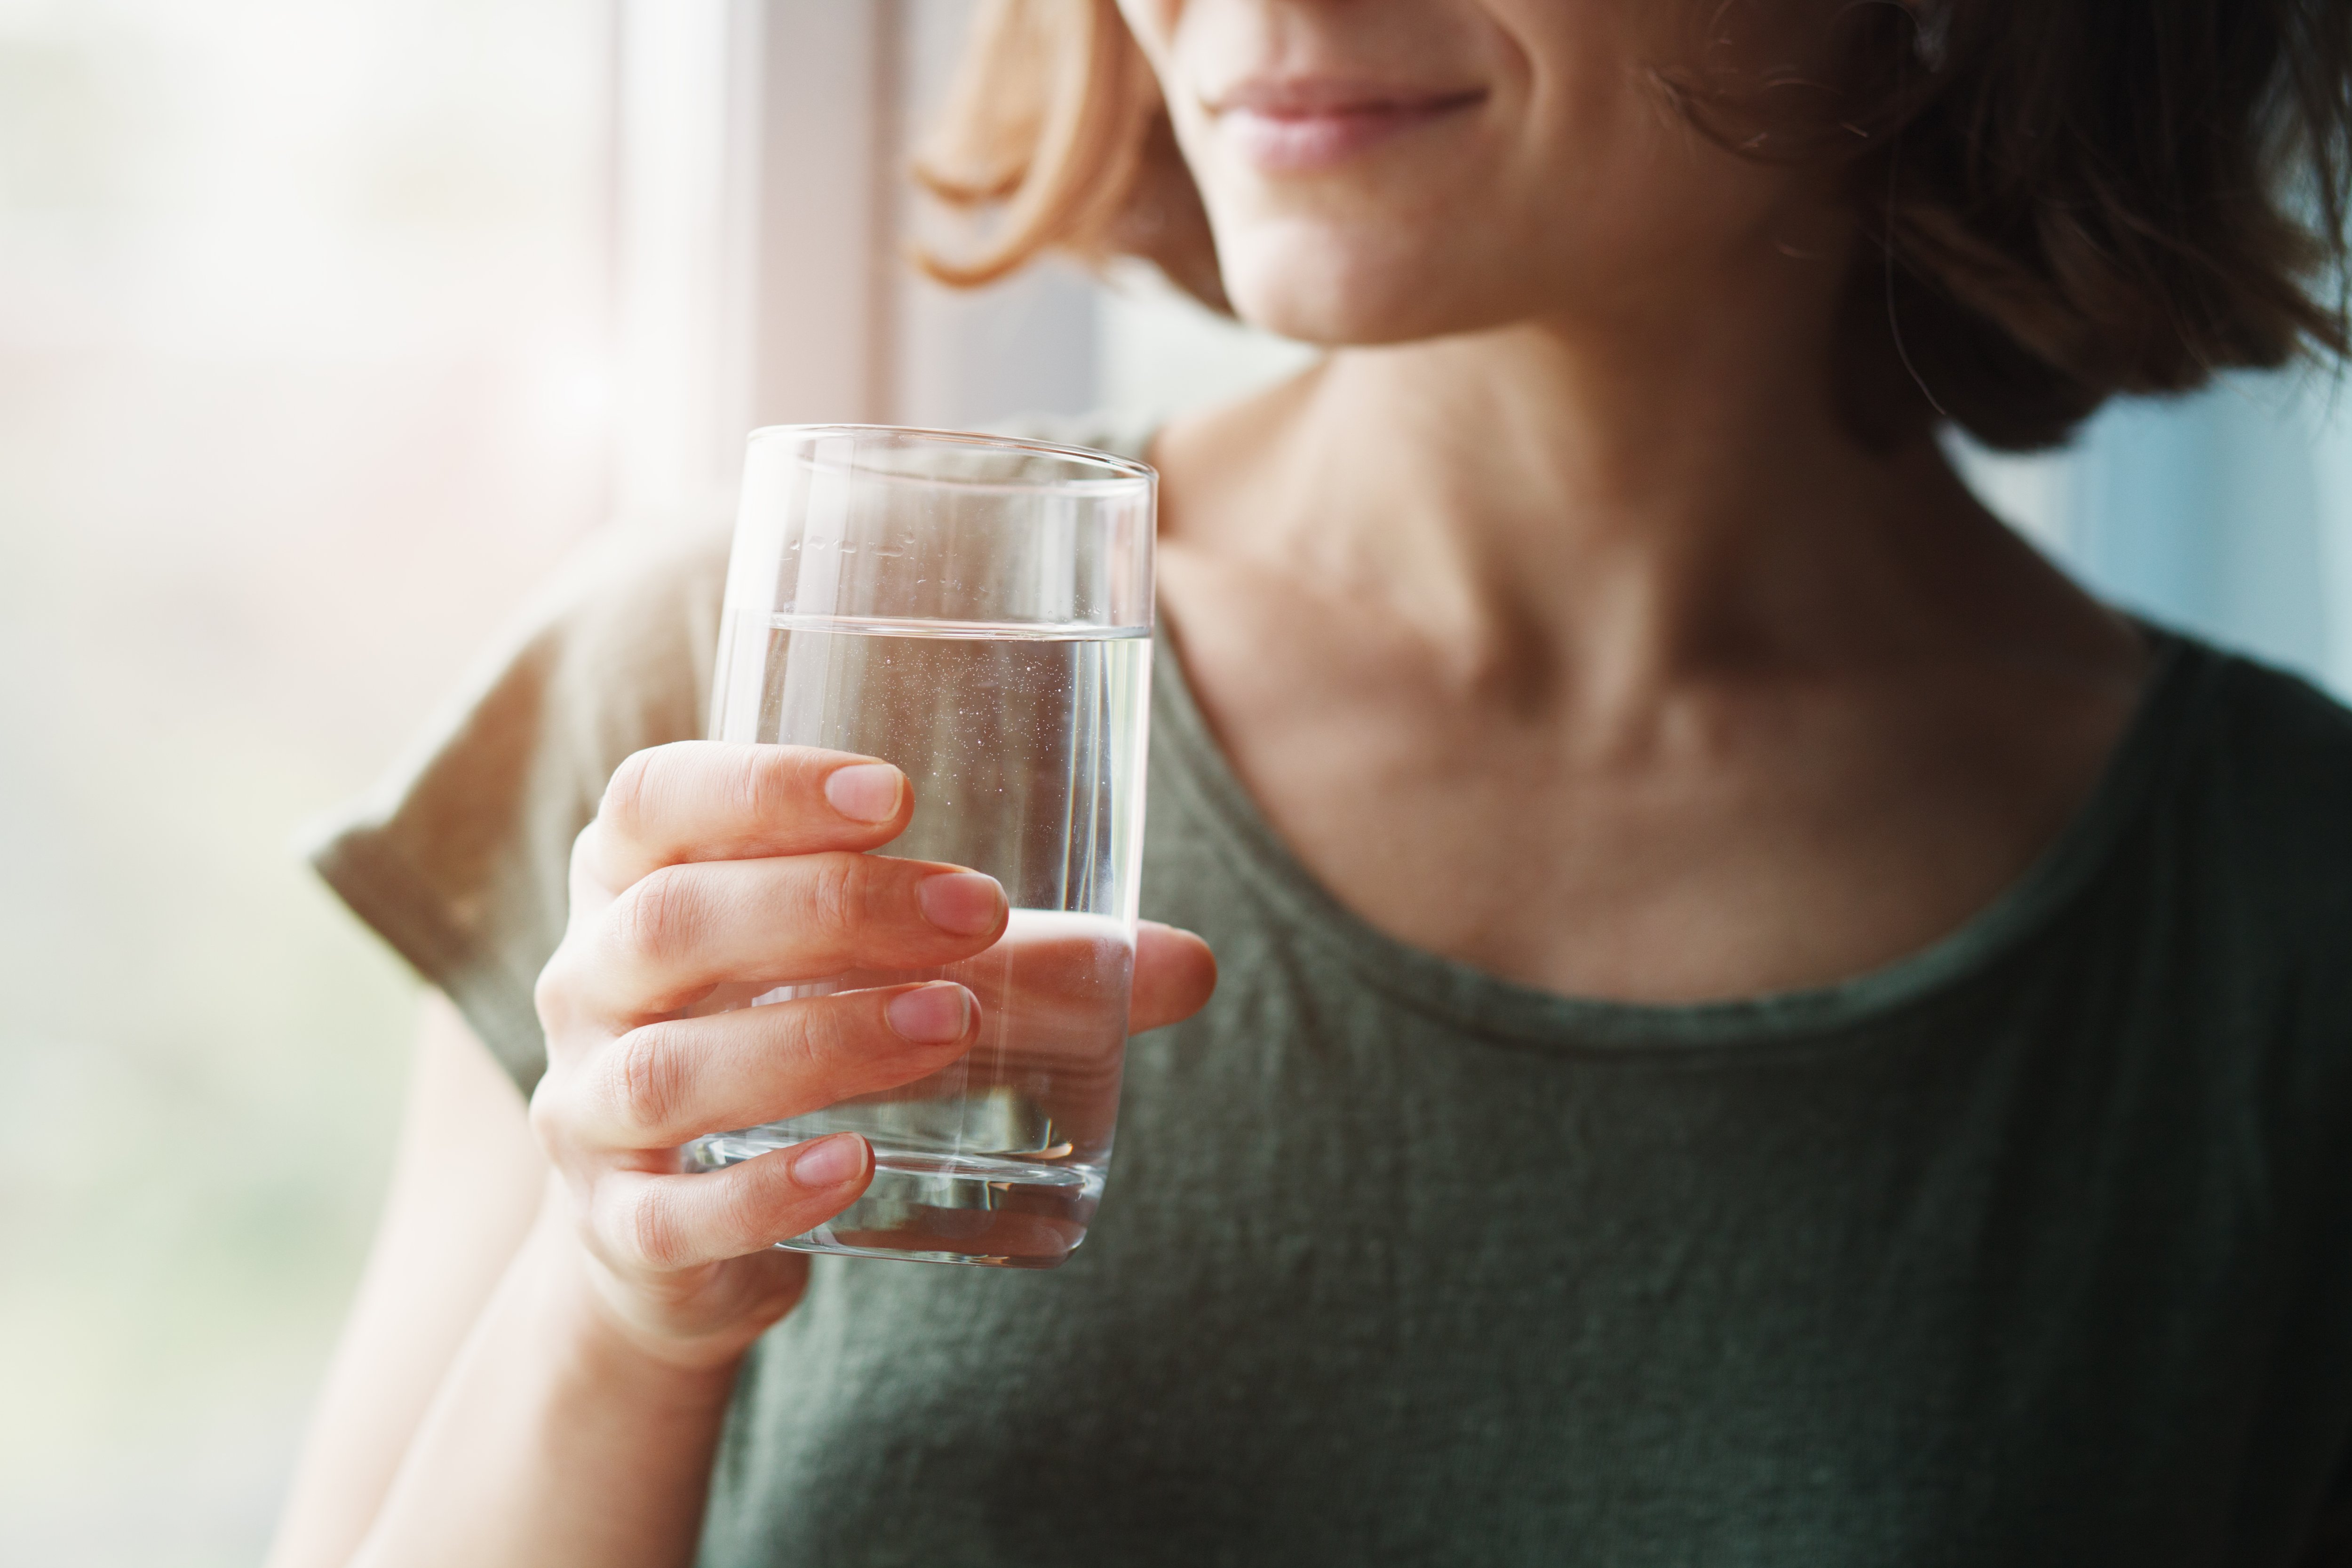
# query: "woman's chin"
1339, 283
1322, 299
1312, 312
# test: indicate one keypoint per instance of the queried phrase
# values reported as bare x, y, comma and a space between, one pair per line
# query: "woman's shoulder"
612, 654
637, 602
2268, 786
458, 855
2243, 893
2243, 907
2283, 719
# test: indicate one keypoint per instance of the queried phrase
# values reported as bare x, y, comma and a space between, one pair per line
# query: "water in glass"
1024, 746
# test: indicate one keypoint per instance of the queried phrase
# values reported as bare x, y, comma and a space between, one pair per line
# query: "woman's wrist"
563, 1435
587, 1307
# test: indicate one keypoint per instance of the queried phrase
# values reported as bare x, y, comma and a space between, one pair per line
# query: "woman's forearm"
554, 1440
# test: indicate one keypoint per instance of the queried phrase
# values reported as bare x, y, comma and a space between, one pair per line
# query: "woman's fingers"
1174, 975
658, 1085
683, 928
647, 1223
714, 800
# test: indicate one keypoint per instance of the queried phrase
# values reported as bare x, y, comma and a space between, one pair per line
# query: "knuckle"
546, 1113
647, 1086
551, 994
816, 1039
758, 1211
833, 898
759, 785
582, 863
627, 801
589, 878
653, 1230
659, 916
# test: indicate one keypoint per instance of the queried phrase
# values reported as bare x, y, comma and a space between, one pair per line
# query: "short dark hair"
2061, 199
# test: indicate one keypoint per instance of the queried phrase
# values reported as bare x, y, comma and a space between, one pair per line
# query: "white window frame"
761, 206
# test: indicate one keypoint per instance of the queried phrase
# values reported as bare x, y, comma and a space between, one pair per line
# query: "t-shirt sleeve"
460, 858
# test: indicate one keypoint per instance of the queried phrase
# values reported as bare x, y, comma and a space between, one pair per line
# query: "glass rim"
1130, 473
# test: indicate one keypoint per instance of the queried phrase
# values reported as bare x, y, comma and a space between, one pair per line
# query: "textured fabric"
2035, 1248
461, 860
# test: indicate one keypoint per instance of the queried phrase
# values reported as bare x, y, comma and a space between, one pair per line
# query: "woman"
1758, 1023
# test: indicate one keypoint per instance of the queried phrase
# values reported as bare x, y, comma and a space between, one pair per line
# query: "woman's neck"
1589, 511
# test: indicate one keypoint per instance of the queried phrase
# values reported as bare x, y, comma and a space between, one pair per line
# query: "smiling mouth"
1301, 127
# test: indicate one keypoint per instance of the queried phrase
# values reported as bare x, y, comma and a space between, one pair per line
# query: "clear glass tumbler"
978, 610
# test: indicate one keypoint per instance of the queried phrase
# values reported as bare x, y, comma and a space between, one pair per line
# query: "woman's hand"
709, 864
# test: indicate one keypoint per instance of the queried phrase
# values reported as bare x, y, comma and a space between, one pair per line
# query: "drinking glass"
976, 610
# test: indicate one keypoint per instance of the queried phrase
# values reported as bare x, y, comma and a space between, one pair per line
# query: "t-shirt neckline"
1486, 1004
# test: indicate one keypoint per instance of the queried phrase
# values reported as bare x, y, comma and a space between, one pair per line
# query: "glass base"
924, 1207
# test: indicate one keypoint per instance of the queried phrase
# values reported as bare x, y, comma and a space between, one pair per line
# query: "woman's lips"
1301, 127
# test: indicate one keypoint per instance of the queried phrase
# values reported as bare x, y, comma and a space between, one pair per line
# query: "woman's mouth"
1302, 125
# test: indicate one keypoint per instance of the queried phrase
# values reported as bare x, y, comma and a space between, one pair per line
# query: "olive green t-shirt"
2034, 1247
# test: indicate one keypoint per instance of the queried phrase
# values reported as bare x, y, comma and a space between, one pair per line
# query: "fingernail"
931, 1017
962, 902
864, 792
829, 1161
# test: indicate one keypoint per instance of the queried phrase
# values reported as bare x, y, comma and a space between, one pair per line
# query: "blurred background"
326, 328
